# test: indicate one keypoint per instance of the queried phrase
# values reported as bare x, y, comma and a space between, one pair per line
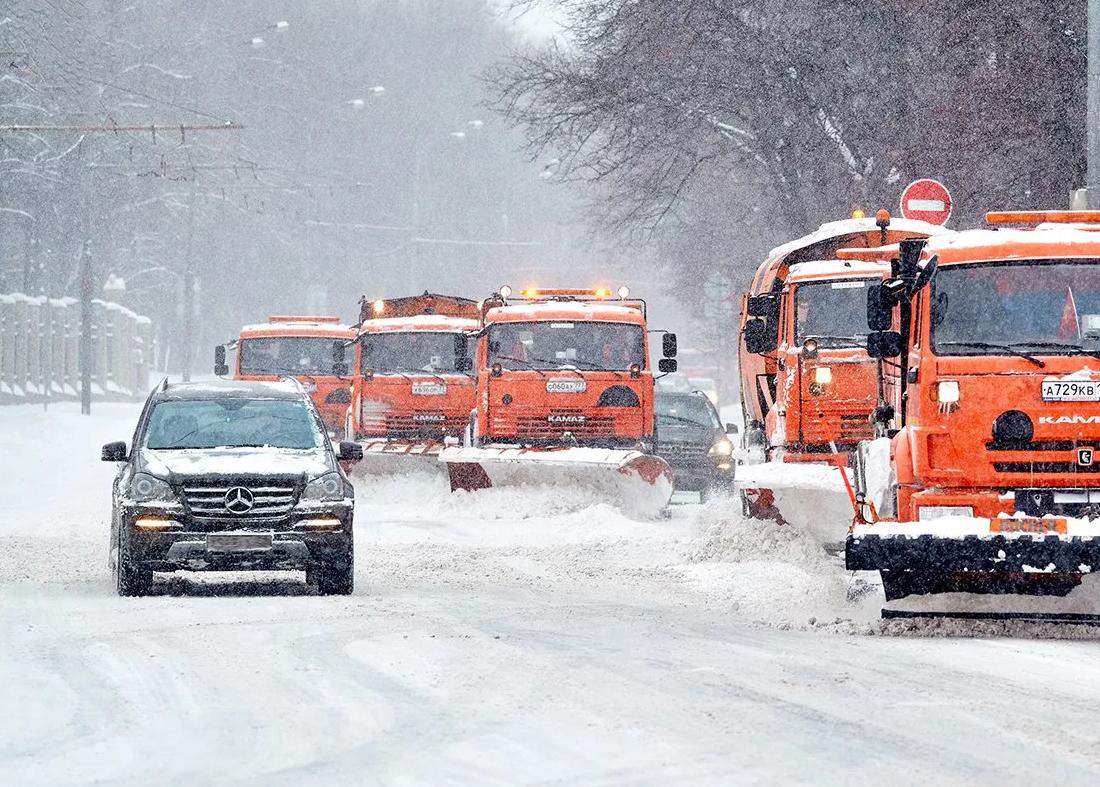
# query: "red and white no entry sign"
926, 200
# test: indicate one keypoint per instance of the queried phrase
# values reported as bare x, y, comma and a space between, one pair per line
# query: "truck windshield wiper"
529, 365
1060, 346
859, 340
1008, 348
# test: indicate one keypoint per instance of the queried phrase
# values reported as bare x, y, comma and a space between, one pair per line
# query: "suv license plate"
237, 542
1067, 391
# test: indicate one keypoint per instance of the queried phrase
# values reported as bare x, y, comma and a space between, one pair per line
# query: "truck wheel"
334, 573
131, 578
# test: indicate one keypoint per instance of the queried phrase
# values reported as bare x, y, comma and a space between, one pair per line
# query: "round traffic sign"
926, 200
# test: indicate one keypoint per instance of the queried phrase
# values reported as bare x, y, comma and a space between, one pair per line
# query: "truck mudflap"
636, 482
1002, 545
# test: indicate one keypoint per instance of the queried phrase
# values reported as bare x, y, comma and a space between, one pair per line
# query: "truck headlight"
324, 489
823, 375
947, 391
145, 488
721, 448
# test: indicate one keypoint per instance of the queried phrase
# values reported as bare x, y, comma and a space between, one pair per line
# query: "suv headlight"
722, 448
324, 489
145, 488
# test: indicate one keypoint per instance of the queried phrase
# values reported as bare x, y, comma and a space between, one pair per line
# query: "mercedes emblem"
239, 500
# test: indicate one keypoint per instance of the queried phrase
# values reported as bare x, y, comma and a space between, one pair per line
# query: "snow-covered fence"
40, 350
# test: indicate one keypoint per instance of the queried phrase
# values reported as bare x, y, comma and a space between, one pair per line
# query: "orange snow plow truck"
808, 386
565, 398
411, 390
294, 346
987, 478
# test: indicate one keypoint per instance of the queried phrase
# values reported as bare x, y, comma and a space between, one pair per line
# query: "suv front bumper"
292, 543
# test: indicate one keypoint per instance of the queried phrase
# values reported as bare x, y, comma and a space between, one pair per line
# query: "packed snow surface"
508, 636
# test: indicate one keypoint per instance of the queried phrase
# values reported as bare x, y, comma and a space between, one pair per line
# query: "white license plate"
429, 389
237, 542
567, 385
1071, 391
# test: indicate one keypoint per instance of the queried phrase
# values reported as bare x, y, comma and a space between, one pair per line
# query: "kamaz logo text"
1051, 420
566, 419
434, 417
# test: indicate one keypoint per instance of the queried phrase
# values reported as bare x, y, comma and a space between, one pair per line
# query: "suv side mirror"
732, 429
759, 337
668, 345
350, 452
879, 308
666, 365
339, 364
220, 367
884, 344
763, 306
114, 452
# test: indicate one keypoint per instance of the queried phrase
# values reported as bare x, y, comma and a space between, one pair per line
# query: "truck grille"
541, 428
409, 424
271, 500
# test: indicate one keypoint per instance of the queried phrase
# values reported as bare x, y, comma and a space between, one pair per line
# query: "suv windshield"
1049, 306
233, 423
691, 409
606, 346
410, 352
289, 355
833, 312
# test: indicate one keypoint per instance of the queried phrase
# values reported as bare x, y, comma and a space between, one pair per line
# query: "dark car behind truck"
690, 437
231, 475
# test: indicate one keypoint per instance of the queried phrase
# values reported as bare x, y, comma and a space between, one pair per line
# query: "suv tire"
131, 578
334, 573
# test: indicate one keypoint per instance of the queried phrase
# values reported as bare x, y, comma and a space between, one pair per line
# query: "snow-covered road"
497, 639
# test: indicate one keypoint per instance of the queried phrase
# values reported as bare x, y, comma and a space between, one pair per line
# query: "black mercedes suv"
690, 437
231, 475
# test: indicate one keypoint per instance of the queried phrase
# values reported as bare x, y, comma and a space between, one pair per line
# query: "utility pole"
1093, 113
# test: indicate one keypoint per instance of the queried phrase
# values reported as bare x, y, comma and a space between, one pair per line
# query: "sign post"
926, 200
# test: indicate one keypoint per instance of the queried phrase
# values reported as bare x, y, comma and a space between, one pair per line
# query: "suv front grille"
271, 500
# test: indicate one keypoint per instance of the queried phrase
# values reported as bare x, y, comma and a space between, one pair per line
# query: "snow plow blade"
811, 496
976, 545
636, 482
383, 457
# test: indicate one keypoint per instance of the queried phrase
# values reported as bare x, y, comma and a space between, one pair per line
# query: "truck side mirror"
462, 353
668, 345
884, 344
220, 367
763, 306
879, 311
339, 362
759, 337
667, 365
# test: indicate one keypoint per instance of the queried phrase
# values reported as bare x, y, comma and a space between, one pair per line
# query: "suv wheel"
334, 573
131, 578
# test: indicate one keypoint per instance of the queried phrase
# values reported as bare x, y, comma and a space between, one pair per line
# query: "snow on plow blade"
976, 545
811, 496
636, 482
382, 456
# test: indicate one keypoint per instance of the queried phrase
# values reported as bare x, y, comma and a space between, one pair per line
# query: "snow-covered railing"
40, 350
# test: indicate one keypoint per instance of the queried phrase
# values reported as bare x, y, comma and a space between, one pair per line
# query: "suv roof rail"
163, 384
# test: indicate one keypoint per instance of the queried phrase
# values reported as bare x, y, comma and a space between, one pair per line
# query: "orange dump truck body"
299, 346
1018, 437
565, 370
406, 386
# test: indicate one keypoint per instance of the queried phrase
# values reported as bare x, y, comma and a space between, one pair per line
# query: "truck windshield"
408, 352
1051, 307
832, 312
287, 355
607, 346
232, 423
685, 411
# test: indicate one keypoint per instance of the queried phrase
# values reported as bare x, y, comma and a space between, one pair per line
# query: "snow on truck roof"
433, 323
838, 229
828, 270
573, 311
985, 245
299, 327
